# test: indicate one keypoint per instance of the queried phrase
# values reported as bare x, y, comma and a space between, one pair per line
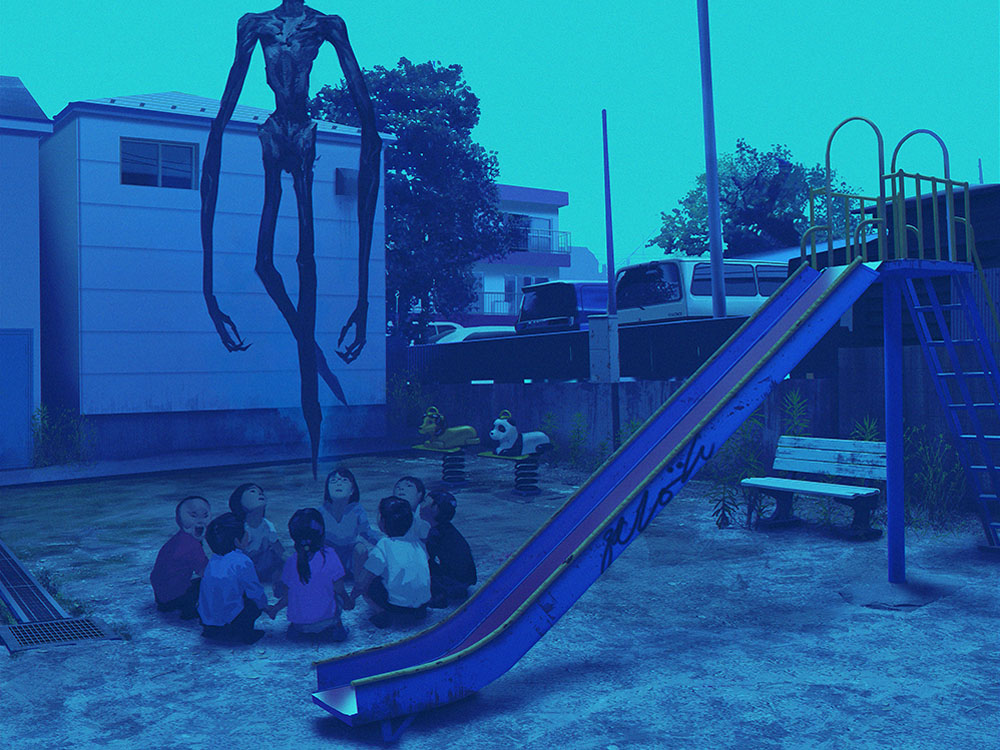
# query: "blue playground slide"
487, 635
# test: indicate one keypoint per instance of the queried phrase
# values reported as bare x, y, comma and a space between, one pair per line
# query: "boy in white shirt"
395, 578
230, 598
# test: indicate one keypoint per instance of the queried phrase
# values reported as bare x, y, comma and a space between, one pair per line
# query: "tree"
763, 200
441, 200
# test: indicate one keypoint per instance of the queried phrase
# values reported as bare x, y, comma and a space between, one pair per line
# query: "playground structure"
511, 611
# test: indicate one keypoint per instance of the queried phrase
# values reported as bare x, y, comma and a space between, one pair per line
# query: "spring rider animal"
511, 442
441, 437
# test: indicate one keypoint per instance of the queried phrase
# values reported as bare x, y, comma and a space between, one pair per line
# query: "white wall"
147, 343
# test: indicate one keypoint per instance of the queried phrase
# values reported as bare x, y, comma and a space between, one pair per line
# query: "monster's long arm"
369, 174
246, 40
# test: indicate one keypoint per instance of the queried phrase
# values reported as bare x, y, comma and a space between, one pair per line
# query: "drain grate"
22, 594
56, 632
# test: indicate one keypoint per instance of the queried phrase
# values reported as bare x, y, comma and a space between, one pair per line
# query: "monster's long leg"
270, 276
264, 266
306, 332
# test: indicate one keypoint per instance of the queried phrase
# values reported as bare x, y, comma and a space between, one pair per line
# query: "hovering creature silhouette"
290, 36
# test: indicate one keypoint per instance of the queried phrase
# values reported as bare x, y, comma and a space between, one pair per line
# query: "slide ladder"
967, 382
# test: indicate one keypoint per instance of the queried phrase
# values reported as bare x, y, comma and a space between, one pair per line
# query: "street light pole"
711, 166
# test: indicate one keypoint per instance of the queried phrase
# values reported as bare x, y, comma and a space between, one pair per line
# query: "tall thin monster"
290, 36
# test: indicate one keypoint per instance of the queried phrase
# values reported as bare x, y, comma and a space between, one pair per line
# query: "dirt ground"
695, 638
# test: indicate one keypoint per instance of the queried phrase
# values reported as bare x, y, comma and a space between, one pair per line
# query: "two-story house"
126, 337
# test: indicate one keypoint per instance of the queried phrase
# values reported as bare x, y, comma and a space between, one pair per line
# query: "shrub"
60, 436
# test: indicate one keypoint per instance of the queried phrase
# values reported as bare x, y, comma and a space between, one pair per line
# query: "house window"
159, 163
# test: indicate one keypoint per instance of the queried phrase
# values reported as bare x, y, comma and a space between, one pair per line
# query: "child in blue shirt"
230, 598
345, 521
395, 579
312, 582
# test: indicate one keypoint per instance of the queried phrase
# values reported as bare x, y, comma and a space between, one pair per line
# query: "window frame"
159, 161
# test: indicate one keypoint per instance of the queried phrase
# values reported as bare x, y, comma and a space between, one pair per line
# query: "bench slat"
831, 468
803, 487
856, 446
823, 454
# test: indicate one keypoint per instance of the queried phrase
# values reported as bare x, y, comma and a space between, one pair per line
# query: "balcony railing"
541, 241
496, 303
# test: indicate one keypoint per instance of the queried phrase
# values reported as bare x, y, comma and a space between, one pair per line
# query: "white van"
681, 287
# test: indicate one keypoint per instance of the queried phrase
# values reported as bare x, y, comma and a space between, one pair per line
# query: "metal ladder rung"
986, 437
949, 306
979, 467
984, 405
954, 341
976, 373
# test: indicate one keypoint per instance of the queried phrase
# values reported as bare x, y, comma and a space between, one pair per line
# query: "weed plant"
742, 455
934, 482
60, 436
406, 402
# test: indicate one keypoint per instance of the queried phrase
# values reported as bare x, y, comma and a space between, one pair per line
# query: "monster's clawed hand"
224, 324
359, 319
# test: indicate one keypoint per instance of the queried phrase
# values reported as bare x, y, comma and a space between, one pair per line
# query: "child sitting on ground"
345, 520
182, 556
395, 579
451, 565
231, 597
311, 583
249, 504
411, 489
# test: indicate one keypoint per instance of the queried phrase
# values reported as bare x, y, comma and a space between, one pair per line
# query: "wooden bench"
830, 458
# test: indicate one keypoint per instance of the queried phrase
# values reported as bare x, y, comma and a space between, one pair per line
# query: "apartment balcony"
541, 241
496, 304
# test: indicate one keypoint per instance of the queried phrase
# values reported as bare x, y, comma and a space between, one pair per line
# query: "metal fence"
657, 351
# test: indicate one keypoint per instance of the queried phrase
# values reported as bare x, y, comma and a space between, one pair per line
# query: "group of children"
419, 560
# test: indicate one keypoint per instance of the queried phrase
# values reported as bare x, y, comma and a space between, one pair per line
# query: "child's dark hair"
396, 514
415, 482
223, 533
307, 530
236, 500
346, 473
445, 503
177, 510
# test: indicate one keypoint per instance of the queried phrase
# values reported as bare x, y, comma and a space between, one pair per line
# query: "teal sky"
783, 73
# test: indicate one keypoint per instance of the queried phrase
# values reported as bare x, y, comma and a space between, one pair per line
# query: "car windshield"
769, 278
549, 301
642, 286
739, 280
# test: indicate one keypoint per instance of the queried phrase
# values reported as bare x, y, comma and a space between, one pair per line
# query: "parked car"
560, 305
438, 328
680, 288
473, 333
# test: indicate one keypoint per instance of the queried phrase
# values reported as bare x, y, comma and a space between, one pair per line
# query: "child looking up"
395, 578
311, 582
179, 558
450, 560
231, 598
345, 520
248, 504
411, 489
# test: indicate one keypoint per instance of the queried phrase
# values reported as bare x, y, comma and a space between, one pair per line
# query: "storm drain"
41, 620
36, 634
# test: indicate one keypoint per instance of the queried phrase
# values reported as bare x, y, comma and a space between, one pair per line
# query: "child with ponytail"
312, 583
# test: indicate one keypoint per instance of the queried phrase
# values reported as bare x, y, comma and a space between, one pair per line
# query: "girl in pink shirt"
311, 583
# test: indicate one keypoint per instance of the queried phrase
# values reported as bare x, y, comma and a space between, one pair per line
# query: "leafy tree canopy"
763, 200
440, 186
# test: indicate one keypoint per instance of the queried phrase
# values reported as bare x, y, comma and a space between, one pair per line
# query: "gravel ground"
695, 638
